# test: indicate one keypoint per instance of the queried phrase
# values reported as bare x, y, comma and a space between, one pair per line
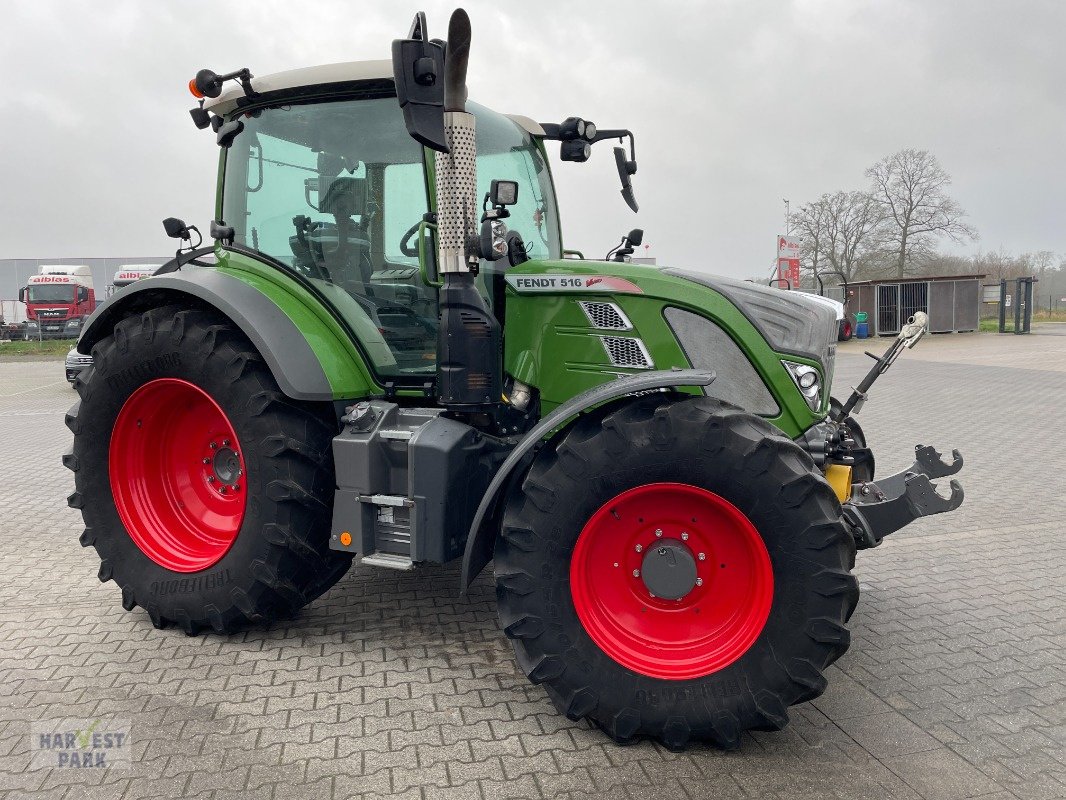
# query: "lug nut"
210, 478
207, 460
214, 446
658, 533
636, 573
702, 556
684, 536
235, 487
640, 548
225, 442
221, 489
699, 581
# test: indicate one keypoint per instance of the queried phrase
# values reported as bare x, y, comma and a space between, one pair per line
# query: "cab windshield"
51, 293
335, 192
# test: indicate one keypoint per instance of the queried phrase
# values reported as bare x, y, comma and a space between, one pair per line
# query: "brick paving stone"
391, 685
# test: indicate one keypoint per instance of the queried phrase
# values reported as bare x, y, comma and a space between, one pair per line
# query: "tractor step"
389, 561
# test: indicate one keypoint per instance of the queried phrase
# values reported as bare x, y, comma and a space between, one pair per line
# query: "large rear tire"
205, 491
675, 569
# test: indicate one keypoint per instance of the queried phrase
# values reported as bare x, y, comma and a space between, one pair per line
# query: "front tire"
675, 569
205, 491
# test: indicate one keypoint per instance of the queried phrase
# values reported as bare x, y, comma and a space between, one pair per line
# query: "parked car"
75, 364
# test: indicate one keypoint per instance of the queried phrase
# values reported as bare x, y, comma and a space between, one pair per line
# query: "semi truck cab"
58, 300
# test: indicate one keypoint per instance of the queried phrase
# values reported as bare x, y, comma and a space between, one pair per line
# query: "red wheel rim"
712, 624
177, 475
847, 329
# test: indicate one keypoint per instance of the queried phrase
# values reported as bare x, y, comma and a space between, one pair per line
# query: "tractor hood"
789, 321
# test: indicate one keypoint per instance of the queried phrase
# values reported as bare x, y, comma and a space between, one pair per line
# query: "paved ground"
955, 685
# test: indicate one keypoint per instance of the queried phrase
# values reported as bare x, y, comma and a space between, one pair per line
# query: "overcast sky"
735, 106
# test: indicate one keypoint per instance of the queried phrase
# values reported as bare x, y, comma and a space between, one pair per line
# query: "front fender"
481, 537
284, 347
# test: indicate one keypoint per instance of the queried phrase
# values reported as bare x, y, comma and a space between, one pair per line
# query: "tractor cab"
324, 182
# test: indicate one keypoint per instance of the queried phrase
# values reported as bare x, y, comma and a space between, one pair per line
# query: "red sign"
788, 262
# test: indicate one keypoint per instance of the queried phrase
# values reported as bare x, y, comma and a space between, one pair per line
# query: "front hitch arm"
878, 509
928, 462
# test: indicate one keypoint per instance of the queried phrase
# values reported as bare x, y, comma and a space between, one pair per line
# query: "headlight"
74, 323
31, 324
808, 381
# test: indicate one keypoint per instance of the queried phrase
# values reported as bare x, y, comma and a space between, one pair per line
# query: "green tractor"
387, 355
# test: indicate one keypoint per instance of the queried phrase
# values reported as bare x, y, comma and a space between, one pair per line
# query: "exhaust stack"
469, 341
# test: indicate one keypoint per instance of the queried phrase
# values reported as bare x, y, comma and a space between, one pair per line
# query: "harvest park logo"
80, 744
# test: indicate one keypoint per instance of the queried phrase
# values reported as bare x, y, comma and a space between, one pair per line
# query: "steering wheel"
405, 247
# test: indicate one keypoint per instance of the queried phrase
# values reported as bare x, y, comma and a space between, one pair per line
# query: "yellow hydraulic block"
839, 477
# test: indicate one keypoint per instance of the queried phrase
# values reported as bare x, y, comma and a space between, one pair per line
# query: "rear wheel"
675, 569
206, 493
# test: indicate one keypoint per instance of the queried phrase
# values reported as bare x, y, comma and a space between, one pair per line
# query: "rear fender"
285, 348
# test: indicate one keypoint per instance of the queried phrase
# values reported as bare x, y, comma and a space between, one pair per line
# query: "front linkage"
875, 509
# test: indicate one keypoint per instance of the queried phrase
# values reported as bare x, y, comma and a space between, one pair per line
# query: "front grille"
79, 359
606, 316
625, 352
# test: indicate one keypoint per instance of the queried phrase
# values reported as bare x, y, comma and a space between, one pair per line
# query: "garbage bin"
862, 327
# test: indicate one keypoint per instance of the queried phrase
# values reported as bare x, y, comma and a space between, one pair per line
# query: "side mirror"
418, 69
22, 295
83, 294
176, 228
625, 170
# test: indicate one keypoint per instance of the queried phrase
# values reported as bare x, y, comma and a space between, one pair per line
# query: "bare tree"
911, 187
839, 231
809, 223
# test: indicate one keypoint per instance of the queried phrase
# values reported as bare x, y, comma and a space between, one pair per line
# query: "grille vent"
625, 352
606, 316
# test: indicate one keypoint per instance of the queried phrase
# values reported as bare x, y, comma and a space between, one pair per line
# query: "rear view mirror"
636, 237
176, 228
418, 68
22, 295
625, 169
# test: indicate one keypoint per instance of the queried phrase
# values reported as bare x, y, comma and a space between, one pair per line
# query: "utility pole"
788, 217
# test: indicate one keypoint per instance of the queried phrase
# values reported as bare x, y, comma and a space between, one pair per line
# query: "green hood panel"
551, 344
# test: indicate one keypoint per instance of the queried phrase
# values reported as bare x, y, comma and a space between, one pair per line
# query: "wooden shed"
951, 301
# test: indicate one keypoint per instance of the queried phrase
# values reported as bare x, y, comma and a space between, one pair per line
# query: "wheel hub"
669, 570
226, 466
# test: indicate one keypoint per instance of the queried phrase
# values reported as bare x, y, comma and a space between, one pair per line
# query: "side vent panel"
625, 352
605, 316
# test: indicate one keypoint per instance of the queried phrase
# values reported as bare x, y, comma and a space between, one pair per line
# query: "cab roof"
324, 74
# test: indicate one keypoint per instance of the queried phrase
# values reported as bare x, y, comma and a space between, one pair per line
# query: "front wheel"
675, 569
206, 493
